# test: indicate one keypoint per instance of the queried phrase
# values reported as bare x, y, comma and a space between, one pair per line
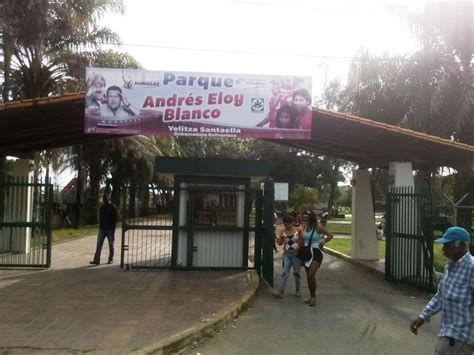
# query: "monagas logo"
127, 81
257, 105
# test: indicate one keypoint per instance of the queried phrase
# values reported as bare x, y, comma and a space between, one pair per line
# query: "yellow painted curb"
180, 340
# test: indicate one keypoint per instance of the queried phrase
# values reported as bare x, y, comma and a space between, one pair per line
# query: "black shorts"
318, 255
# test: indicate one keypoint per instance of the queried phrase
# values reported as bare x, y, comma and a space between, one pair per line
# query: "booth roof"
211, 167
52, 122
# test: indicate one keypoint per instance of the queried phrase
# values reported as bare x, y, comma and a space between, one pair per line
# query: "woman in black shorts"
319, 236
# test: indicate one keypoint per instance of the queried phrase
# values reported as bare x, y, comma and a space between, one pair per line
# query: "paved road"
358, 312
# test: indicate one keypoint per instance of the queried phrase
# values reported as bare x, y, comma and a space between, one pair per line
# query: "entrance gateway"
212, 215
333, 134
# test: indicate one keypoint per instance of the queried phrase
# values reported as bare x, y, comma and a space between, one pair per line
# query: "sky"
314, 38
286, 37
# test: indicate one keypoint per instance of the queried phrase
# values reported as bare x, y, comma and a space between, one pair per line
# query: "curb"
177, 342
352, 261
437, 275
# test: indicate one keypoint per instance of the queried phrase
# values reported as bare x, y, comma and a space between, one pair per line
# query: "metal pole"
455, 206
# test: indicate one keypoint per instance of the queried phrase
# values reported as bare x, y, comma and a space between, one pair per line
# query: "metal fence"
194, 226
25, 223
409, 242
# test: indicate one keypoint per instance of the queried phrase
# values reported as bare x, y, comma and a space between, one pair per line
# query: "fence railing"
409, 242
25, 223
195, 227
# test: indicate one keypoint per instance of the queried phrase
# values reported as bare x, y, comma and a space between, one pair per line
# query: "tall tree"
446, 31
36, 32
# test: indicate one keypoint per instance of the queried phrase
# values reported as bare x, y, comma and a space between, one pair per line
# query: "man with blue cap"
455, 296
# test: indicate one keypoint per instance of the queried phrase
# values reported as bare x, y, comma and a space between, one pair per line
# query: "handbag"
305, 253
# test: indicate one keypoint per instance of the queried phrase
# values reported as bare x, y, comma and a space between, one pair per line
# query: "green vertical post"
175, 231
48, 206
268, 201
189, 227
388, 236
258, 231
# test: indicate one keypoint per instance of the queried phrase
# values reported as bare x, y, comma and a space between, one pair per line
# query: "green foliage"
375, 88
345, 197
37, 35
64, 234
303, 198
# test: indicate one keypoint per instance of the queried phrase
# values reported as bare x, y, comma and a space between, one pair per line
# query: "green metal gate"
409, 237
158, 233
25, 223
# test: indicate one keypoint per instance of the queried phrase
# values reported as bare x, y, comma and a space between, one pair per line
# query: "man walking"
107, 223
454, 298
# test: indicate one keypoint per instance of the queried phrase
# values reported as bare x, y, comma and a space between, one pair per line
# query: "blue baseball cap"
453, 233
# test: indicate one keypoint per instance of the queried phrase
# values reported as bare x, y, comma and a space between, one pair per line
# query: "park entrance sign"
132, 101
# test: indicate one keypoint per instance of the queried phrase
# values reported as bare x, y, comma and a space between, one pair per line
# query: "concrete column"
401, 174
19, 208
405, 221
364, 239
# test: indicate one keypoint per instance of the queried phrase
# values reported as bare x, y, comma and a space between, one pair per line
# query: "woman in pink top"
290, 238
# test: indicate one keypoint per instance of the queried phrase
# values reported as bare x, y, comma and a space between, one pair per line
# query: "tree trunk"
8, 49
93, 197
117, 183
145, 200
132, 202
78, 203
333, 187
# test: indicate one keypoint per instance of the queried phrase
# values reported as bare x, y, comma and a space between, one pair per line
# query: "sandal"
277, 294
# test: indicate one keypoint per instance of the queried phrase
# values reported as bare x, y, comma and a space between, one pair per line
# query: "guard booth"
213, 214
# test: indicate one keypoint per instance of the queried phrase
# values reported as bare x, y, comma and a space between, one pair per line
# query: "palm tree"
36, 32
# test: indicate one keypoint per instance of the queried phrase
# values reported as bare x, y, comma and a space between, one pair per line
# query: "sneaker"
297, 294
94, 262
277, 294
110, 262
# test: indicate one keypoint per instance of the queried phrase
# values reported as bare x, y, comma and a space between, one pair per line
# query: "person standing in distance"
107, 223
454, 298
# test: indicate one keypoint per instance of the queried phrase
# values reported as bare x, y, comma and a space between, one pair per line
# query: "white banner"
130, 101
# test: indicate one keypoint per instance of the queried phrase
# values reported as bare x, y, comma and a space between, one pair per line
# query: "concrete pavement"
74, 307
357, 312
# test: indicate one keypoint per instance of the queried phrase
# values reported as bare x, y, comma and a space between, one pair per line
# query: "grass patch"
62, 234
345, 246
339, 227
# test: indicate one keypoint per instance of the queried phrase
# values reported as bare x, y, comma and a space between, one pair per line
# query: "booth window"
215, 208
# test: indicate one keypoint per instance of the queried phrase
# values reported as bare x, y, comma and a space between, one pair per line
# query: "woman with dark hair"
286, 117
302, 102
319, 236
290, 238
